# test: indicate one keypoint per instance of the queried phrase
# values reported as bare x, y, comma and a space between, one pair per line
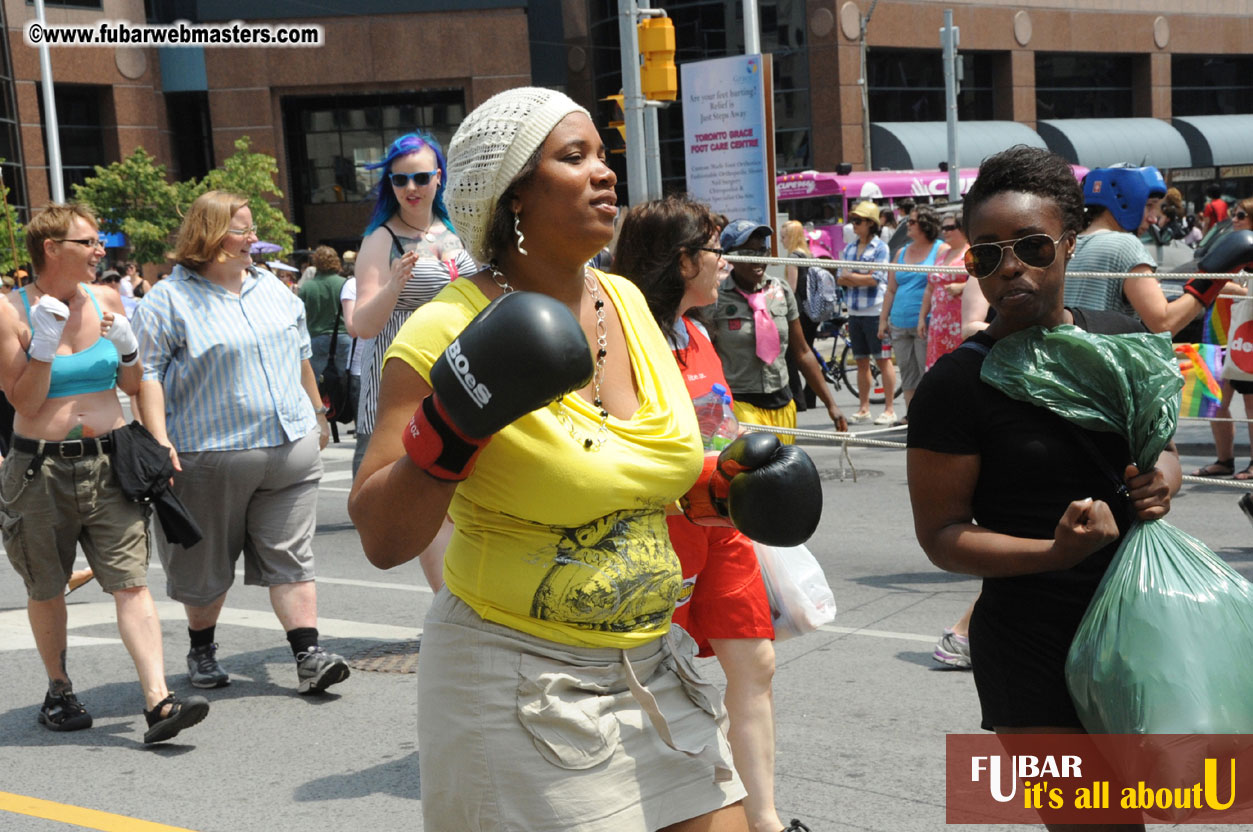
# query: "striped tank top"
430, 275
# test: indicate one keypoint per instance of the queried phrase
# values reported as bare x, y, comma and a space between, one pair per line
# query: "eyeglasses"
911, 222
720, 252
948, 228
422, 178
1036, 250
243, 232
858, 220
1240, 215
89, 242
755, 252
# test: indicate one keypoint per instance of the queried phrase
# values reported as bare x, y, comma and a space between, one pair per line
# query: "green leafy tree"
133, 196
255, 176
12, 236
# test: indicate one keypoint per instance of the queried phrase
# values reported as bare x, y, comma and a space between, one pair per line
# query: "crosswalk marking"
15, 629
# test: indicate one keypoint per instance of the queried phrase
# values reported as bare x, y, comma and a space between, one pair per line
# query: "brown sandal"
1217, 468
1247, 473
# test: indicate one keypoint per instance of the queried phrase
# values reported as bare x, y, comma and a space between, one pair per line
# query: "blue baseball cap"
737, 233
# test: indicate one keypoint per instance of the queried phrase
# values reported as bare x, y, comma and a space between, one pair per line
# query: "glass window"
1209, 85
79, 130
1083, 85
331, 139
908, 85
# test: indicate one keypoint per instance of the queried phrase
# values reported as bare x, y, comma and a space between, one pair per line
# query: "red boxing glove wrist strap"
436, 446
1205, 291
705, 504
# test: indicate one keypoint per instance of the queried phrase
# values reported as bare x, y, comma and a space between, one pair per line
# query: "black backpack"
341, 404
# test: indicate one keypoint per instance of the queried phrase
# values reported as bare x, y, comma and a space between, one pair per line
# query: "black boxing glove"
769, 491
520, 353
1229, 253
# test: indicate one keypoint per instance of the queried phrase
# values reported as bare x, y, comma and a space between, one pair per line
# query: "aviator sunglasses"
1035, 250
422, 178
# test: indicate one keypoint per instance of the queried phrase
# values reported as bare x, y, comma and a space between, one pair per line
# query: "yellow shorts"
783, 417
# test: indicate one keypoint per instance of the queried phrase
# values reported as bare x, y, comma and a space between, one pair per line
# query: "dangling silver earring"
517, 231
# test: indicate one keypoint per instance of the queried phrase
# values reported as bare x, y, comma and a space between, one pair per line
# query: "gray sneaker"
317, 670
203, 668
953, 650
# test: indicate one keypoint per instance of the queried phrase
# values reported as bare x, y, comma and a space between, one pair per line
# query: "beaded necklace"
596, 441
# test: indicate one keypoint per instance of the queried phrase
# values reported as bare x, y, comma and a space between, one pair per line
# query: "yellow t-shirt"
554, 540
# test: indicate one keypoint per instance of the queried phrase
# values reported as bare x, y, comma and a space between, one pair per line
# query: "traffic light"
618, 120
659, 80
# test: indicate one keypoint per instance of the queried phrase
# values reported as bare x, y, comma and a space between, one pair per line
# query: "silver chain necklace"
596, 441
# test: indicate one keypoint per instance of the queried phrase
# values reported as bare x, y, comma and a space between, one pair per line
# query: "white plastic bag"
801, 600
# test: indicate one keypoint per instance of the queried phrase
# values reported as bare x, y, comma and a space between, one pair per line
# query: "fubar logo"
478, 392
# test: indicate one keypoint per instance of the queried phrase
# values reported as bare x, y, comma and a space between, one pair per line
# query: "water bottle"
718, 425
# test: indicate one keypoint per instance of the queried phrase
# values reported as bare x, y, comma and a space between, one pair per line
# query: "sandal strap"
154, 716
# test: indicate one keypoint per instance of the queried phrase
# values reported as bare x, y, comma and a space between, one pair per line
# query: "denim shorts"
863, 335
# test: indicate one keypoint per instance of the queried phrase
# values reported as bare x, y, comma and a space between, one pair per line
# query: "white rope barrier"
862, 266
847, 439
1214, 419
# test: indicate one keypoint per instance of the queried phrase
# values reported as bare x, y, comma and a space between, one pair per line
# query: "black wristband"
128, 360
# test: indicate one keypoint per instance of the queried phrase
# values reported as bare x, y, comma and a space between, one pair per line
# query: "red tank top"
699, 363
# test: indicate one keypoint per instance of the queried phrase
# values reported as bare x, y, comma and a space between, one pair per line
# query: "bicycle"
843, 370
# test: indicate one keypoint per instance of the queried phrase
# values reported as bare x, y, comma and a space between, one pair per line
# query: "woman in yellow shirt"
553, 694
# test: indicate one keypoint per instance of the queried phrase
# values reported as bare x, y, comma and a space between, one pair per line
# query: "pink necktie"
763, 326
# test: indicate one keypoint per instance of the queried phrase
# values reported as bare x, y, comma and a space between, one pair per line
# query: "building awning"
1101, 142
922, 145
1216, 140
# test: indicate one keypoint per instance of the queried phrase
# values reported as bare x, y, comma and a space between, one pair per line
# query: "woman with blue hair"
409, 253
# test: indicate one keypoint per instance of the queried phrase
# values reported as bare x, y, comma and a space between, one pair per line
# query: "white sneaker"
859, 418
886, 418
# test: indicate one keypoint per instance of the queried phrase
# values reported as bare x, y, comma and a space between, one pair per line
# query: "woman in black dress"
1008, 490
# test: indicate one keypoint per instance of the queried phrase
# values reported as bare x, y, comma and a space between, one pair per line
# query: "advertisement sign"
728, 131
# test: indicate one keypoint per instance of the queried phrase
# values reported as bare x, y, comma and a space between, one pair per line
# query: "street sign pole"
52, 136
652, 138
632, 103
949, 36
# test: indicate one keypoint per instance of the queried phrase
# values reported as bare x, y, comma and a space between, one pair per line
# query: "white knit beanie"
488, 151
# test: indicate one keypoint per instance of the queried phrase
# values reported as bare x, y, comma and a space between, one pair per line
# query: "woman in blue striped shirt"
228, 387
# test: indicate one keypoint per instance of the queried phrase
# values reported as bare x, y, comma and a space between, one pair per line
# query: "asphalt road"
862, 708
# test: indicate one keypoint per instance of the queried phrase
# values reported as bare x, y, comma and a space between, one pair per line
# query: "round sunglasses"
422, 178
1035, 250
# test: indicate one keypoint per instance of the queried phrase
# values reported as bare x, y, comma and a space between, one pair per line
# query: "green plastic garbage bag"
1166, 646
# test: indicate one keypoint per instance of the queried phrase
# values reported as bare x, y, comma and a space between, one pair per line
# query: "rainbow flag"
1201, 365
1217, 322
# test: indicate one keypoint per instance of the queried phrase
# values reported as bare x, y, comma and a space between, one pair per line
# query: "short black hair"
1214, 190
1030, 170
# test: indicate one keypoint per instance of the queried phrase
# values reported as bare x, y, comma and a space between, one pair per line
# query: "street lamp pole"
52, 136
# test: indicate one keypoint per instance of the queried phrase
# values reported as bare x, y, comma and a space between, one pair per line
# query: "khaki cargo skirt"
520, 733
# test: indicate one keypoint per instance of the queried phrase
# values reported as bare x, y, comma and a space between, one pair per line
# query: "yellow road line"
85, 818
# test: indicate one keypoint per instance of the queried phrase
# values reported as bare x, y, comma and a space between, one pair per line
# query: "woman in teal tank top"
903, 300
65, 350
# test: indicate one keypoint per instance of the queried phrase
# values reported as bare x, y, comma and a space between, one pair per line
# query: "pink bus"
824, 199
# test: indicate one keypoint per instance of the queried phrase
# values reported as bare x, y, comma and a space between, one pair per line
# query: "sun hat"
817, 249
866, 210
490, 148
